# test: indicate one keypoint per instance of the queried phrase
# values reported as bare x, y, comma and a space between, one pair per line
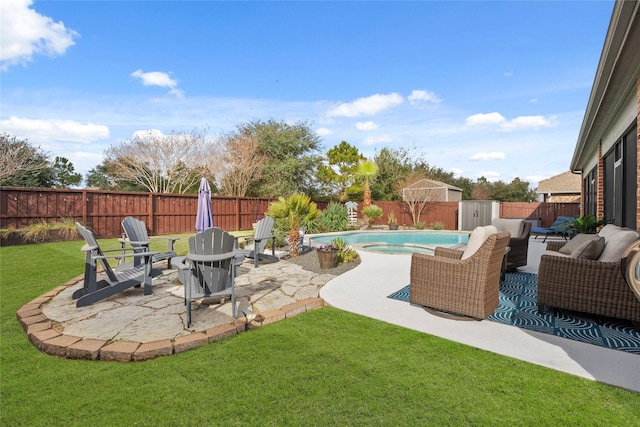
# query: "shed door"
476, 214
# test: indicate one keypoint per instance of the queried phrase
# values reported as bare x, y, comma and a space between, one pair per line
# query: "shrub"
437, 226
334, 217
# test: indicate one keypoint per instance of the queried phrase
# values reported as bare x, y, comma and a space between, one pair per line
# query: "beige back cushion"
591, 249
616, 243
513, 225
578, 240
477, 238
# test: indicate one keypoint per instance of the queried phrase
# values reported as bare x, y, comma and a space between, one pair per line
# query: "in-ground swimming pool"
397, 242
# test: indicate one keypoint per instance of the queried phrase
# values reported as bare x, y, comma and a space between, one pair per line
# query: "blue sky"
495, 89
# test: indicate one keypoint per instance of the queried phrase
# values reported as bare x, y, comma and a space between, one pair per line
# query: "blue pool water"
395, 240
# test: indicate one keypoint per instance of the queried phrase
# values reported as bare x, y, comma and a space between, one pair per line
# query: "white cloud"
366, 106
491, 176
528, 122
324, 131
25, 33
41, 131
519, 123
508, 73
489, 156
375, 140
365, 126
419, 96
457, 172
533, 100
485, 119
158, 78
147, 133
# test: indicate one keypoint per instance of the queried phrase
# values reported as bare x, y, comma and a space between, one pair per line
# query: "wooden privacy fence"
102, 211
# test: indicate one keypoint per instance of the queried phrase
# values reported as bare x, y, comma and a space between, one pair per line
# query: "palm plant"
371, 213
367, 170
292, 213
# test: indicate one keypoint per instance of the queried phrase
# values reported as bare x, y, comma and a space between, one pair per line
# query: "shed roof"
431, 183
565, 182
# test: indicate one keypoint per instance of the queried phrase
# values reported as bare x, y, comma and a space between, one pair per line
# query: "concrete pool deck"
364, 291
142, 327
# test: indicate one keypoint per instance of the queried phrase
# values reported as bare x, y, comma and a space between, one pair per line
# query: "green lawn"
325, 367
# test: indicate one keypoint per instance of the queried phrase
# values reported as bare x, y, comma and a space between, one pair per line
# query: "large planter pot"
393, 226
328, 259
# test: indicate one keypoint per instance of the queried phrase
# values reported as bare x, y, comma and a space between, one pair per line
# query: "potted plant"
392, 221
328, 256
587, 224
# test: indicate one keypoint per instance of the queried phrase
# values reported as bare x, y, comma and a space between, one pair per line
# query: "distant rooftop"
566, 182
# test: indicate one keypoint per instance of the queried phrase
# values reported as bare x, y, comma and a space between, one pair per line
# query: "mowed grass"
325, 367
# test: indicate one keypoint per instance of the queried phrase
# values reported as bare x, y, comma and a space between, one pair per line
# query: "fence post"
151, 216
238, 216
85, 204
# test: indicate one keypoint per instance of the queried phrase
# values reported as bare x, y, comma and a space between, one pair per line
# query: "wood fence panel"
103, 211
545, 212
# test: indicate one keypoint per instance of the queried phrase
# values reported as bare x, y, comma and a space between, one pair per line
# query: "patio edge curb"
43, 334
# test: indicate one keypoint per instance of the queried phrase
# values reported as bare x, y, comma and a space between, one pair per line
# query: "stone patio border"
42, 332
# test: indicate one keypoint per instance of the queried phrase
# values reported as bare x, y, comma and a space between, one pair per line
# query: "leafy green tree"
292, 155
516, 191
64, 174
103, 177
393, 166
483, 189
338, 175
465, 184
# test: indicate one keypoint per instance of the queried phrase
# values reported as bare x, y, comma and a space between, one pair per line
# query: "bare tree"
160, 163
237, 163
18, 156
417, 194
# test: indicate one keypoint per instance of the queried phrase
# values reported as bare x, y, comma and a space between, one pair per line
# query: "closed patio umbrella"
204, 219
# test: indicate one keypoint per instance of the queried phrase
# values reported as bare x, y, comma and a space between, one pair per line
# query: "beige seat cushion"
573, 244
616, 243
514, 226
590, 249
477, 238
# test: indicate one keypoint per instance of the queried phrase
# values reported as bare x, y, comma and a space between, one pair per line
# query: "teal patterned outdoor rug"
518, 307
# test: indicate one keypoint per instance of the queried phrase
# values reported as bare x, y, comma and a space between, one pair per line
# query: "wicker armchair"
583, 285
519, 242
468, 287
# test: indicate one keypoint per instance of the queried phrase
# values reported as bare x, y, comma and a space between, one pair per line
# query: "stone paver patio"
131, 326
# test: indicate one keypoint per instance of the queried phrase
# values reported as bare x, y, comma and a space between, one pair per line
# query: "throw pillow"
574, 243
590, 249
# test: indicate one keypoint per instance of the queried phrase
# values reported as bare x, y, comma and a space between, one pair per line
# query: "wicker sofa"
459, 282
595, 286
520, 231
